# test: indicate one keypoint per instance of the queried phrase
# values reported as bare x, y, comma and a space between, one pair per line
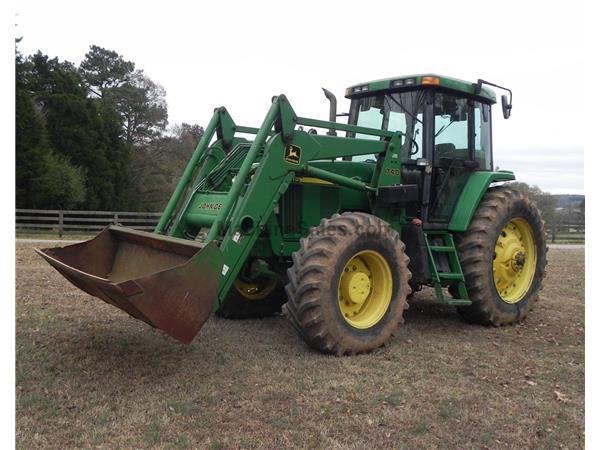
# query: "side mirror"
506, 104
506, 107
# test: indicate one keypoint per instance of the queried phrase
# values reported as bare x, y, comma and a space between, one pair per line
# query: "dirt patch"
89, 375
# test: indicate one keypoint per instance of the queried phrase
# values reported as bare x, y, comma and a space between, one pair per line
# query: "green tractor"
339, 229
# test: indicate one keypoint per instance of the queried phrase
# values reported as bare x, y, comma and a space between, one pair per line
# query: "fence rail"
566, 231
58, 221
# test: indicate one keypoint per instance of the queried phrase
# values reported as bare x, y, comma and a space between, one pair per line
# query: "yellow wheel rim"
515, 261
255, 290
365, 289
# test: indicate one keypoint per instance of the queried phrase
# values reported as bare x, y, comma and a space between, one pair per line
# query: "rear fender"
477, 185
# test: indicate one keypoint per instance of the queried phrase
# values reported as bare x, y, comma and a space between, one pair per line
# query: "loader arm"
249, 203
173, 283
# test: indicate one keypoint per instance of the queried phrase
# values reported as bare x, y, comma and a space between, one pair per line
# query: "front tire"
503, 257
253, 299
348, 285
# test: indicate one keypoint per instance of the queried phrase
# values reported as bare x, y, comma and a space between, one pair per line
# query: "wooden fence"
61, 222
566, 231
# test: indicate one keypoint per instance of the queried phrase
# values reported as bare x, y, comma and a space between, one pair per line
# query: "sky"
239, 54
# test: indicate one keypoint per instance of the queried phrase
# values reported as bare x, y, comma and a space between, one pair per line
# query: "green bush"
62, 184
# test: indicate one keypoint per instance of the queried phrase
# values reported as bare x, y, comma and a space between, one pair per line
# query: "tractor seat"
449, 151
446, 150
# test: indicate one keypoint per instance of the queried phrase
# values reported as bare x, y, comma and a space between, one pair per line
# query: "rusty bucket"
167, 282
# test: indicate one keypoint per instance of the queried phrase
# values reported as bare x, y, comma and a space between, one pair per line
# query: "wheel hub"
518, 261
365, 289
255, 290
514, 260
356, 286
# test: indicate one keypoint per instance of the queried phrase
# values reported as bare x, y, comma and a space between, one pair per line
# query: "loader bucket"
168, 283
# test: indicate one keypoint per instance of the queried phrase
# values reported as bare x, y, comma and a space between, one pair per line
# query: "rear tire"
348, 285
503, 257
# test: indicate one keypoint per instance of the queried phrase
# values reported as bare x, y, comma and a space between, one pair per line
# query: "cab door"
453, 143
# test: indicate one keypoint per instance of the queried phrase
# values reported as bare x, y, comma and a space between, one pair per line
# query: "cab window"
451, 127
406, 115
370, 115
483, 136
392, 112
451, 149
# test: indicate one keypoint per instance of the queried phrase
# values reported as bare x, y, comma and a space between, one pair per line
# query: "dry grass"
88, 376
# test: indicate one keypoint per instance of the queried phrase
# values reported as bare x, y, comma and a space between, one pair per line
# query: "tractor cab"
447, 132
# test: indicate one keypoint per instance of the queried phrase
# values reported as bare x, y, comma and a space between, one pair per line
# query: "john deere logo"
292, 154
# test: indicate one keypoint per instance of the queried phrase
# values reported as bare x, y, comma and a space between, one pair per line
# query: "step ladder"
441, 279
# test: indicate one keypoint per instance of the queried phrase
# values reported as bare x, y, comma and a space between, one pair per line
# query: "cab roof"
408, 82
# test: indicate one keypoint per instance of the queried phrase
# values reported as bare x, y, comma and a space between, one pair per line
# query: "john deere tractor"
339, 222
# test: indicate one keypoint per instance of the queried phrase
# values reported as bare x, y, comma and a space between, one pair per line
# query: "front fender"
476, 186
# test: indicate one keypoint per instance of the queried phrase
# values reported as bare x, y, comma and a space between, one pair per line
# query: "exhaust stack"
332, 109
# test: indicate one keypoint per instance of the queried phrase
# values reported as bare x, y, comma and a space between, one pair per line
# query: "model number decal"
393, 172
213, 206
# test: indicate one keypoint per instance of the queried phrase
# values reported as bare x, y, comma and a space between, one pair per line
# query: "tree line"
94, 136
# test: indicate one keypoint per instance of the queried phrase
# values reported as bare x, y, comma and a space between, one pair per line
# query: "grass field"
90, 376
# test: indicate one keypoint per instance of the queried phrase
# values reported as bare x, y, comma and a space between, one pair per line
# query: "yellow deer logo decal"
292, 154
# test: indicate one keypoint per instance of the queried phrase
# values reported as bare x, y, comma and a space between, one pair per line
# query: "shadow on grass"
109, 351
425, 310
126, 351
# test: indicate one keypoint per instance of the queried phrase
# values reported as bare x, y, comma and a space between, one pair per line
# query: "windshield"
393, 112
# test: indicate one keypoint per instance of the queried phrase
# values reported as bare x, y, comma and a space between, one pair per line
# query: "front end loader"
339, 228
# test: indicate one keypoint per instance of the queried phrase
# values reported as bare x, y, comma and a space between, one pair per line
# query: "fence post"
116, 218
60, 223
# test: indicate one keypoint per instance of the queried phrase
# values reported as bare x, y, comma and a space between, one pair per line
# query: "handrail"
344, 127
